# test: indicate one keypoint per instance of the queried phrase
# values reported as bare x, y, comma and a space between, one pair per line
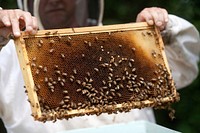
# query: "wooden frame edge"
26, 71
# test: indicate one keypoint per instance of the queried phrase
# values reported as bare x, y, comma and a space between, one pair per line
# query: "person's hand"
13, 21
154, 15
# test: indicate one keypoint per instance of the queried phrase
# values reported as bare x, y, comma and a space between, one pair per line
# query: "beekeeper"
182, 47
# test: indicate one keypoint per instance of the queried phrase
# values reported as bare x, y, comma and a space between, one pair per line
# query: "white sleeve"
182, 47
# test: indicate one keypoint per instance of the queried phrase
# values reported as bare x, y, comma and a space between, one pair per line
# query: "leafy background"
125, 11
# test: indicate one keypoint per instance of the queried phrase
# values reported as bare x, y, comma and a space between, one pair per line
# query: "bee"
52, 88
59, 79
89, 44
40, 66
73, 30
37, 72
65, 92
59, 36
41, 41
26, 91
45, 69
51, 41
55, 32
62, 84
130, 64
62, 55
37, 105
46, 79
58, 72
33, 64
133, 49
149, 33
67, 97
75, 71
48, 33
39, 45
34, 59
143, 34
51, 50
96, 38
79, 90
112, 60
83, 55
120, 61
96, 69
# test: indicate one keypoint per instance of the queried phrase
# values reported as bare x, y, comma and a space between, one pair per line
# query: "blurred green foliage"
125, 11
8, 4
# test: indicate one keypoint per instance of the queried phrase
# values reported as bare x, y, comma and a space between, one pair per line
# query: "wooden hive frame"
142, 34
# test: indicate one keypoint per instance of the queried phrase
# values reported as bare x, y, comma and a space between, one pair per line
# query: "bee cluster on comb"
94, 70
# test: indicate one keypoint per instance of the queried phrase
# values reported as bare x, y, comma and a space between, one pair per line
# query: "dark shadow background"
125, 11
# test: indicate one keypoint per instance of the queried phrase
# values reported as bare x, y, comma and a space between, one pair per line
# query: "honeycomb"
106, 71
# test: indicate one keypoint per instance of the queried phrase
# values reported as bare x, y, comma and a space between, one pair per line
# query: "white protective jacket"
182, 49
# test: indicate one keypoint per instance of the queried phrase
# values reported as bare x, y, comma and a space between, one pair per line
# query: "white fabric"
183, 54
182, 49
19, 3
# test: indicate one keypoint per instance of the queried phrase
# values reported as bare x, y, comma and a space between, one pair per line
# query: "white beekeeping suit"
182, 50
